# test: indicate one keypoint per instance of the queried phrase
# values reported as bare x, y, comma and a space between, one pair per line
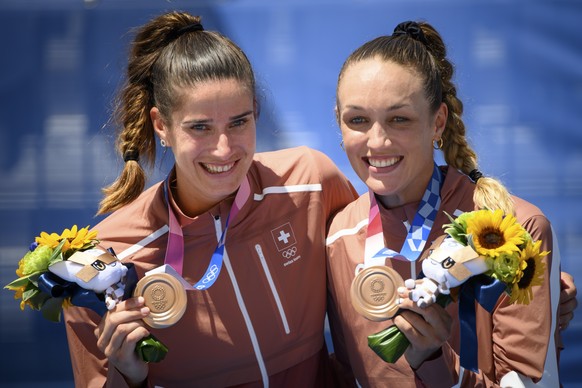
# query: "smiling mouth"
217, 168
383, 162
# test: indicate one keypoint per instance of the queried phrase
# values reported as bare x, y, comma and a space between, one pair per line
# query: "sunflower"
492, 233
74, 239
82, 238
529, 274
49, 240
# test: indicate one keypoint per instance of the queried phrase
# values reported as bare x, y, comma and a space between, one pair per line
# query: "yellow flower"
50, 240
531, 273
18, 295
82, 238
74, 239
492, 233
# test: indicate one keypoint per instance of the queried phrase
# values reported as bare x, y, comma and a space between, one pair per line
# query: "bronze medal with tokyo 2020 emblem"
166, 298
374, 292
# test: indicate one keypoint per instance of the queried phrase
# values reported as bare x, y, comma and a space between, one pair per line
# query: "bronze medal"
166, 298
374, 292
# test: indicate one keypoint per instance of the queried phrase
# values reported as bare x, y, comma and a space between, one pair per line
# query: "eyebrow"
241, 115
390, 108
206, 121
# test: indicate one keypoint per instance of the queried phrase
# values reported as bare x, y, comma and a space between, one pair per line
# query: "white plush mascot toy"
95, 270
447, 266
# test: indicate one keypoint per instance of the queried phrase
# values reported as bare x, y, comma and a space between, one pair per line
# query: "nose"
223, 145
377, 136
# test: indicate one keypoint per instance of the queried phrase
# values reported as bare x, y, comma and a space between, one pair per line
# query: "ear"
256, 108
159, 125
440, 120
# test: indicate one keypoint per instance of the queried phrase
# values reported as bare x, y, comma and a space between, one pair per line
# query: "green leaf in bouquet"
18, 283
35, 298
150, 349
389, 344
57, 254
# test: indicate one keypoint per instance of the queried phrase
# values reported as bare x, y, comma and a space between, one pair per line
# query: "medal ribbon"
375, 252
175, 248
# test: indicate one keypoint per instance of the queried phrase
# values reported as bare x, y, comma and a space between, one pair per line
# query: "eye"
98, 265
239, 122
198, 127
357, 120
448, 263
399, 119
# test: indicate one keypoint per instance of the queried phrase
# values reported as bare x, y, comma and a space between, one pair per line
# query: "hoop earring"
438, 144
163, 143
342, 146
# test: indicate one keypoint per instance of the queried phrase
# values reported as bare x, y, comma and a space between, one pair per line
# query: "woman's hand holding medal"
118, 334
426, 328
379, 293
159, 300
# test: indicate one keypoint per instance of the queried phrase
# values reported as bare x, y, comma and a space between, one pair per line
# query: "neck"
191, 205
411, 194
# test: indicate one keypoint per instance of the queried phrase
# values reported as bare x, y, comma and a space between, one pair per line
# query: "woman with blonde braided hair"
396, 105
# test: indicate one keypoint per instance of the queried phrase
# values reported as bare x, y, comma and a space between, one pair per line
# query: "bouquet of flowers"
68, 269
483, 244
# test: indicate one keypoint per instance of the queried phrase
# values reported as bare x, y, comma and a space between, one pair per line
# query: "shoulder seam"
287, 189
346, 232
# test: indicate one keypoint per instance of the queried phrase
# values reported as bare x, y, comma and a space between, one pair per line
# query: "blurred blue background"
519, 73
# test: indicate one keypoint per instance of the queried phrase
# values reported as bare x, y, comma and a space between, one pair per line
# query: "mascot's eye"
98, 265
448, 263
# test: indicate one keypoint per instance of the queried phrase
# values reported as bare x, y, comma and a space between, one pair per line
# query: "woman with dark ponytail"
396, 104
254, 305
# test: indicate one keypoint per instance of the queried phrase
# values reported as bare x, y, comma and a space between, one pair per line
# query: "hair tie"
411, 29
475, 175
196, 26
130, 155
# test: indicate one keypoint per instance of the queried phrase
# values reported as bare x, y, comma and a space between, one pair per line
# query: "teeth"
383, 162
217, 169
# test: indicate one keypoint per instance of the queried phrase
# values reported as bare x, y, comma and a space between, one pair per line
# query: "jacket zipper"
242, 306
274, 291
